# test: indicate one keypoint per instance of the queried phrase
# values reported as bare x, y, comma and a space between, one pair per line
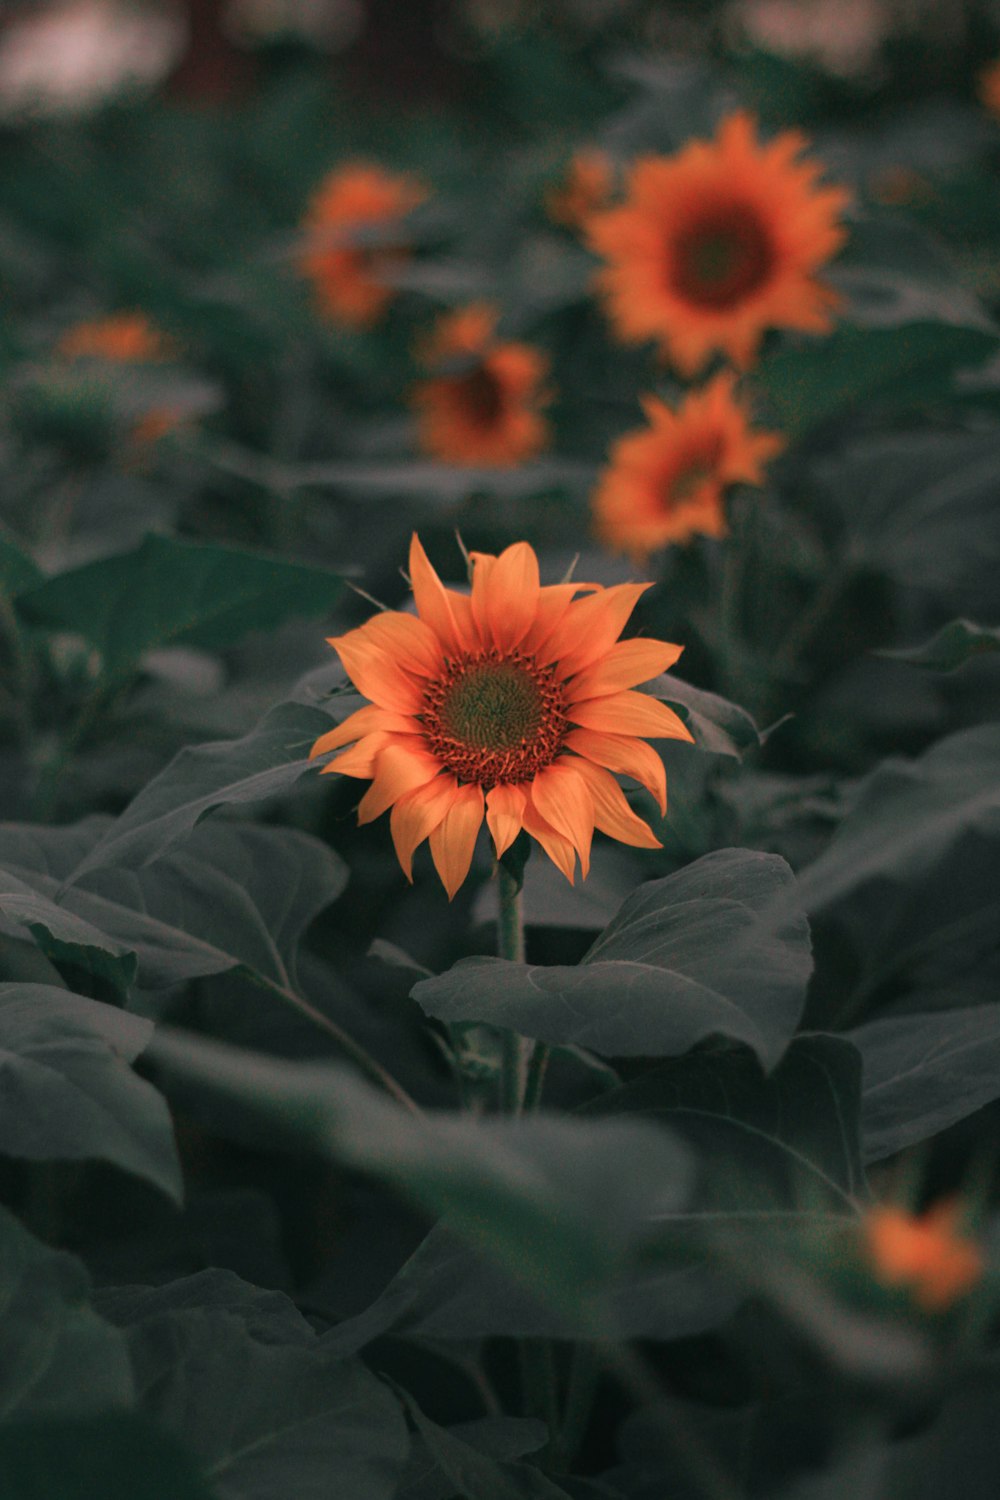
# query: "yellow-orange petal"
625, 755
360, 759
416, 815
363, 721
408, 640
453, 841
401, 767
626, 664
432, 598
512, 589
376, 673
612, 814
505, 814
553, 602
590, 627
559, 849
630, 713
563, 798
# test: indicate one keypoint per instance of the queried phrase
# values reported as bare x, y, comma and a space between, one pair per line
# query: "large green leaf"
240, 1378
173, 592
82, 1458
924, 1072
857, 366
59, 1356
265, 762
68, 1094
717, 725
17, 570
66, 938
952, 646
476, 1475
561, 1204
688, 957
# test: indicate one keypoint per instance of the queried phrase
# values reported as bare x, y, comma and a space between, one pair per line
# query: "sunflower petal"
453, 841
563, 798
505, 815
376, 673
624, 665
612, 814
416, 815
363, 721
512, 591
630, 713
408, 640
361, 758
401, 767
627, 756
590, 627
433, 600
559, 849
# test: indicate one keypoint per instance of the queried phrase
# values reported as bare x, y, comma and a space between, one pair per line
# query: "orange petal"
627, 756
505, 814
408, 640
401, 767
559, 850
454, 839
612, 814
512, 590
627, 663
563, 798
435, 603
630, 713
363, 721
553, 602
416, 815
591, 626
376, 673
360, 760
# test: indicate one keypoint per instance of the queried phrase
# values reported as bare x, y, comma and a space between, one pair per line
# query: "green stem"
511, 945
536, 1076
581, 1388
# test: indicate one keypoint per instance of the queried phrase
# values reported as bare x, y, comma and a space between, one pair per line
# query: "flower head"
346, 275
585, 189
667, 481
487, 410
924, 1253
719, 243
989, 87
514, 702
122, 338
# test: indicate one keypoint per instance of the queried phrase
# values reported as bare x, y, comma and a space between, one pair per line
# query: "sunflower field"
500, 752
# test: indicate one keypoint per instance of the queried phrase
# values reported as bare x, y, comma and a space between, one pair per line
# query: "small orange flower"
123, 338
719, 243
586, 188
515, 702
924, 1253
346, 276
989, 87
488, 411
666, 482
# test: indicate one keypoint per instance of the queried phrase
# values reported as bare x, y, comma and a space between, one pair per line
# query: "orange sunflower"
515, 702
719, 243
346, 276
487, 412
667, 481
989, 87
586, 188
924, 1253
123, 338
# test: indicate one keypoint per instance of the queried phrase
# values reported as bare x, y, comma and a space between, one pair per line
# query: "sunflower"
989, 87
922, 1252
717, 244
667, 481
487, 411
345, 275
122, 338
585, 189
515, 703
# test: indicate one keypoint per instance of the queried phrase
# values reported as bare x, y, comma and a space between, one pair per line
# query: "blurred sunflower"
514, 702
346, 275
487, 410
719, 243
123, 338
924, 1253
989, 87
586, 188
667, 481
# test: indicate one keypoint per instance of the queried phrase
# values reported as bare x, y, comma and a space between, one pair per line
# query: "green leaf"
239, 1376
952, 646
170, 592
67, 939
69, 1095
267, 761
474, 1474
80, 1458
497, 1437
560, 1204
17, 570
688, 957
924, 1072
899, 367
717, 725
59, 1357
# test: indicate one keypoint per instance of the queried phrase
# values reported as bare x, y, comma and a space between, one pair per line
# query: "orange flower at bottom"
924, 1253
345, 275
989, 87
488, 411
666, 482
514, 703
123, 338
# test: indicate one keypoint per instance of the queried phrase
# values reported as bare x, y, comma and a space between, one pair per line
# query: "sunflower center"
693, 474
721, 258
481, 396
493, 717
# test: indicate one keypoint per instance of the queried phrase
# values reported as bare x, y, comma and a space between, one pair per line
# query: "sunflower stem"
511, 946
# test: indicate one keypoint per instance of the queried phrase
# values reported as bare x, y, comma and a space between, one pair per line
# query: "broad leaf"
68, 1094
81, 1458
173, 592
475, 1475
952, 646
59, 1357
687, 957
66, 938
17, 569
717, 725
497, 1437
